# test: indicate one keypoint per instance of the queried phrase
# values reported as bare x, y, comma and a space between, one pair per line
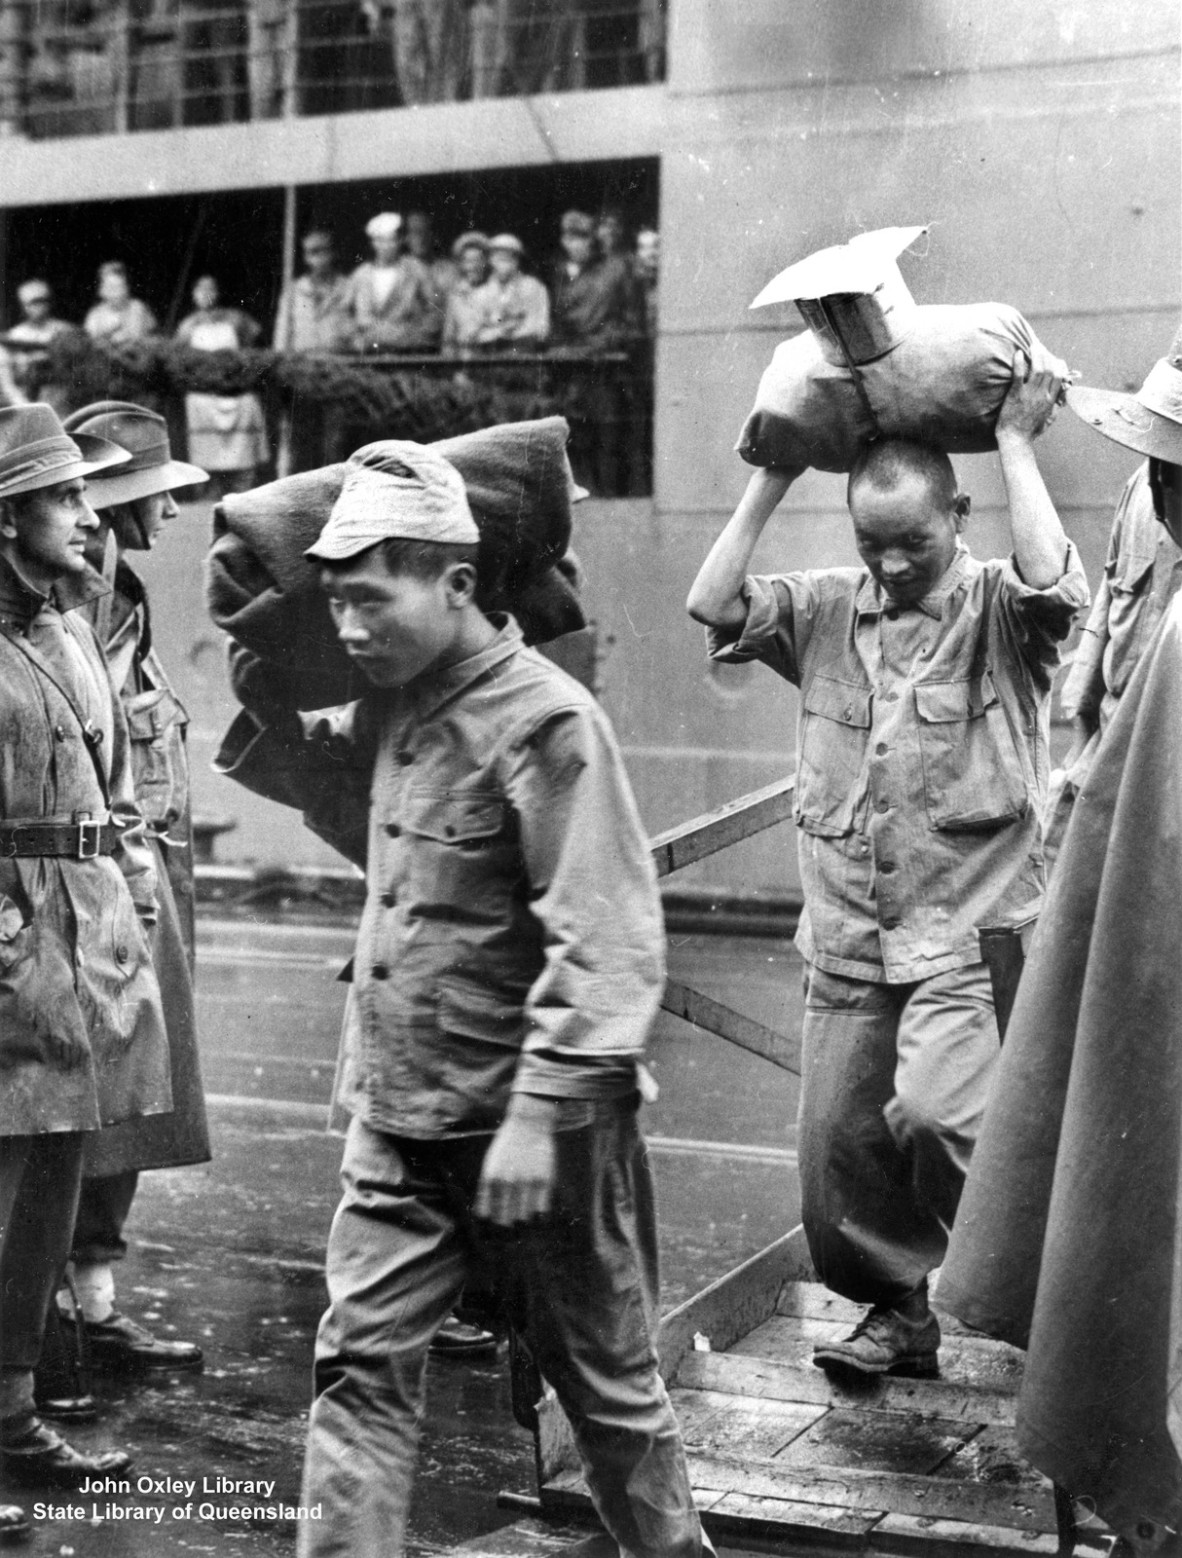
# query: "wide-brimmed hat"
1149, 422
144, 434
36, 451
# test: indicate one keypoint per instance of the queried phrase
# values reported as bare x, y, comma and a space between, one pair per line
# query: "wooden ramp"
790, 1460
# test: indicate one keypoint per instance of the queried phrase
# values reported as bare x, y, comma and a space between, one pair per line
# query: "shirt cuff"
547, 1078
1070, 589
738, 643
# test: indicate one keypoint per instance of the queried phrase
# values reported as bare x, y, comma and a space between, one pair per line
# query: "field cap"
579, 224
400, 491
508, 241
472, 240
36, 451
144, 434
1149, 422
387, 224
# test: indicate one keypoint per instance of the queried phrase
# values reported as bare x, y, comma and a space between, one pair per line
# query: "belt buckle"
90, 838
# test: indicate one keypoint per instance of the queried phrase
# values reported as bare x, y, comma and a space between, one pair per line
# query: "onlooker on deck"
391, 296
429, 45
595, 309
38, 328
647, 264
419, 233
227, 433
516, 307
314, 316
118, 318
464, 314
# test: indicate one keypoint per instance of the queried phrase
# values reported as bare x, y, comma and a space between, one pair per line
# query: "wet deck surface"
231, 1254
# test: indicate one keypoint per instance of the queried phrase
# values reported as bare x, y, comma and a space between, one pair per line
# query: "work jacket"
512, 937
922, 754
75, 964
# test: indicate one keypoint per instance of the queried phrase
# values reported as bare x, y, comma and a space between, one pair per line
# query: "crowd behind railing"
411, 343
86, 67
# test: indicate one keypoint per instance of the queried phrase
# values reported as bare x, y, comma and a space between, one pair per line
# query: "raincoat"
75, 964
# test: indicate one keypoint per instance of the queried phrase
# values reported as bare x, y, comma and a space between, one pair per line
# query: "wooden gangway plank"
691, 841
783, 1453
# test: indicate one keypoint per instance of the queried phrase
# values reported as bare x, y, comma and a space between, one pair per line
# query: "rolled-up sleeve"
594, 891
769, 630
1042, 619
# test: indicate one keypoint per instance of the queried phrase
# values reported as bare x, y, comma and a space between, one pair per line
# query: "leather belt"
86, 839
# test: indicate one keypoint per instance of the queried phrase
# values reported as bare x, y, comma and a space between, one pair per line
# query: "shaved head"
888, 463
907, 515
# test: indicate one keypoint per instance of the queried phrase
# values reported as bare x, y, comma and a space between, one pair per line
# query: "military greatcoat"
75, 964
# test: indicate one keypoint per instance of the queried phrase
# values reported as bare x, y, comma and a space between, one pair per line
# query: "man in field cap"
1144, 564
82, 1041
406, 493
134, 503
508, 967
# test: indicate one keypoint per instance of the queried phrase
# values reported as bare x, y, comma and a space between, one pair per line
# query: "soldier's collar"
872, 601
435, 688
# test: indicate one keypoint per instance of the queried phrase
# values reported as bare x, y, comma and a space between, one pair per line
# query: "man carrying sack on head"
82, 1040
925, 680
509, 964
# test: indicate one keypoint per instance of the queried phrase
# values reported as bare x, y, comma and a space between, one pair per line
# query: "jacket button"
393, 830
387, 900
406, 758
449, 832
59, 732
381, 971
849, 713
886, 867
881, 749
121, 953
891, 921
882, 805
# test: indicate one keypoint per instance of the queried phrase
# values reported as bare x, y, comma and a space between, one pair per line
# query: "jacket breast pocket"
972, 773
834, 730
156, 722
464, 857
1129, 623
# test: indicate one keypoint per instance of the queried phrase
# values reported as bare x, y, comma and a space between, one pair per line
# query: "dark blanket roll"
263, 591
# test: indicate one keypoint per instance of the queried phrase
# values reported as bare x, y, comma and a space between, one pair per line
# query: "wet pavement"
230, 1254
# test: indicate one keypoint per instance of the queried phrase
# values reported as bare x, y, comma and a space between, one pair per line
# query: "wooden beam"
702, 836
734, 1304
713, 1017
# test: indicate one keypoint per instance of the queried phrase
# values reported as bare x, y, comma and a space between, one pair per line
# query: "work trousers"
103, 1206
894, 1083
39, 1180
403, 1247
